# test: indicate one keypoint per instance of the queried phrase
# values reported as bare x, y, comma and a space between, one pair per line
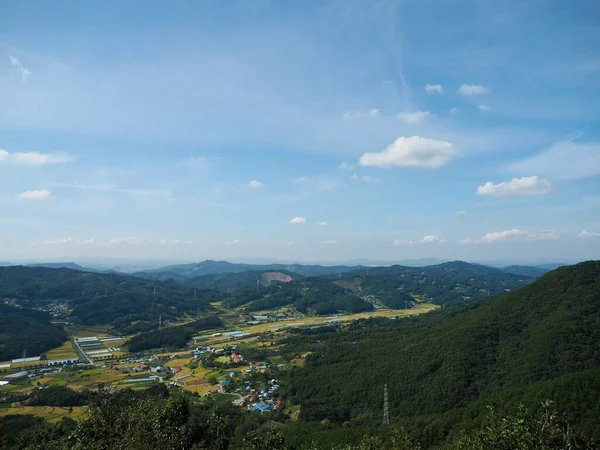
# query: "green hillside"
541, 341
444, 284
127, 302
528, 271
27, 330
310, 294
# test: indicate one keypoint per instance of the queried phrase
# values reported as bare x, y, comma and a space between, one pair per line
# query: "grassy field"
63, 352
49, 413
91, 331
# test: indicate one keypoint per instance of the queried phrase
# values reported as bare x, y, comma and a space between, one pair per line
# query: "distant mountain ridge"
210, 267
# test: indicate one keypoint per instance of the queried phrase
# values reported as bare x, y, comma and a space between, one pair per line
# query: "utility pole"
386, 406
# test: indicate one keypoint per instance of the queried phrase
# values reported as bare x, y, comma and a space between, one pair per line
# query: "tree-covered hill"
445, 284
26, 330
308, 294
225, 282
540, 341
528, 271
95, 298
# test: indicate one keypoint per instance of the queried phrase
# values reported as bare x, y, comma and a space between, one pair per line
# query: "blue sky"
321, 131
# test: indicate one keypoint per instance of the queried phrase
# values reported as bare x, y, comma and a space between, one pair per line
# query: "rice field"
65, 351
49, 413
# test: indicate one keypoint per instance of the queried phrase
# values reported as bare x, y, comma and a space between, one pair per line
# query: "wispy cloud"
16, 64
589, 234
33, 158
414, 117
460, 212
412, 151
434, 89
432, 239
349, 115
403, 242
453, 110
331, 242
514, 234
473, 89
322, 223
566, 160
298, 220
255, 184
233, 242
70, 240
484, 108
347, 166
36, 194
517, 186
364, 178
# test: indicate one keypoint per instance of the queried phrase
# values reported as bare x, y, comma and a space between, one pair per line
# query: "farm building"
16, 376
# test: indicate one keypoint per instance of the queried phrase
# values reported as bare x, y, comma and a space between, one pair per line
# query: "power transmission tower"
159, 322
386, 406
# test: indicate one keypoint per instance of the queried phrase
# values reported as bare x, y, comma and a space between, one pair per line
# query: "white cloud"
485, 108
434, 88
514, 234
130, 240
589, 234
16, 64
565, 160
414, 117
322, 223
412, 151
70, 240
39, 194
432, 239
460, 212
255, 184
33, 158
453, 110
517, 186
403, 242
473, 89
297, 220
349, 115
347, 166
233, 242
331, 242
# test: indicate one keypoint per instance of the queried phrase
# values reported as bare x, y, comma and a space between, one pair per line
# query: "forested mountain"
315, 294
445, 284
541, 341
26, 330
528, 271
61, 265
221, 267
227, 281
127, 302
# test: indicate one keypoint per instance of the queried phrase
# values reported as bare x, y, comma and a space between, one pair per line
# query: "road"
82, 355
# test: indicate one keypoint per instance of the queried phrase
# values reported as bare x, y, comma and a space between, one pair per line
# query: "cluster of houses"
261, 400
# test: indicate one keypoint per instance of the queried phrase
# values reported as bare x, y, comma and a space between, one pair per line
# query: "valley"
437, 338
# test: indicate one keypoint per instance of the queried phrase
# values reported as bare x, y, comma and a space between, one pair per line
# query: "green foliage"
172, 337
444, 284
321, 295
57, 396
26, 329
542, 338
546, 430
102, 298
